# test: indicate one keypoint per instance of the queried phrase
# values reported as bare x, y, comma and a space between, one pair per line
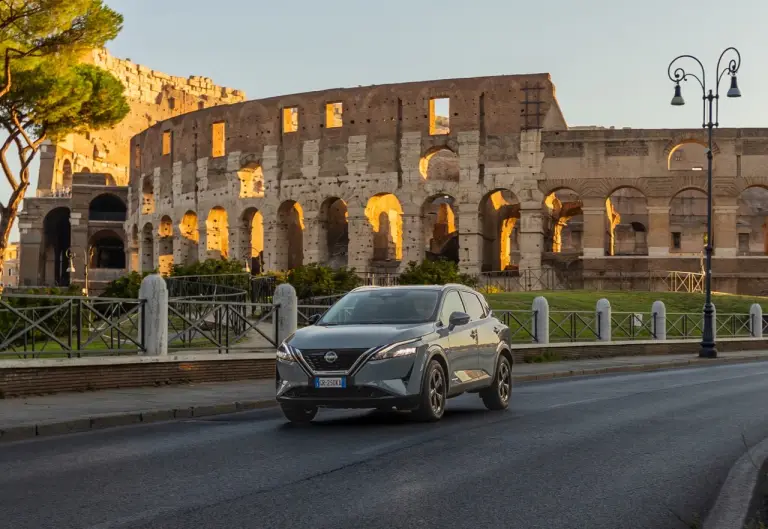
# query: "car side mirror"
314, 319
458, 319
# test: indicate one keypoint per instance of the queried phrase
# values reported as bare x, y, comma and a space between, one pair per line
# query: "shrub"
317, 280
435, 273
126, 286
209, 267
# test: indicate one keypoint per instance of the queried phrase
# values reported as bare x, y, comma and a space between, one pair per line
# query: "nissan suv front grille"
320, 360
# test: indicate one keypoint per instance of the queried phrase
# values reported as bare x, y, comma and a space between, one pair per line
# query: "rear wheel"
496, 397
433, 394
299, 414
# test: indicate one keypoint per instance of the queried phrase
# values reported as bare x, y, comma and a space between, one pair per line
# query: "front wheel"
496, 397
299, 414
434, 393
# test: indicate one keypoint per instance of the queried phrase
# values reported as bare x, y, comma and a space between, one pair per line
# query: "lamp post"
711, 114
87, 256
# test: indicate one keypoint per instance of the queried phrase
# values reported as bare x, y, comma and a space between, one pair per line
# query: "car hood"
356, 336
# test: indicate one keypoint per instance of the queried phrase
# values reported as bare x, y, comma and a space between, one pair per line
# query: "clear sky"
608, 58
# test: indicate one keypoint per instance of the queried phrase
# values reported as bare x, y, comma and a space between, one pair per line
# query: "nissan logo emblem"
331, 357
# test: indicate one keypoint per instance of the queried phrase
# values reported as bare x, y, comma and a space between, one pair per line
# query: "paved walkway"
70, 412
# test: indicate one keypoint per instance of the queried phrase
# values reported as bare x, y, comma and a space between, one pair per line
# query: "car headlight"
397, 350
285, 354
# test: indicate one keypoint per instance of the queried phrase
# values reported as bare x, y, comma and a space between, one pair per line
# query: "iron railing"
633, 325
224, 326
675, 281
522, 324
66, 326
574, 326
523, 280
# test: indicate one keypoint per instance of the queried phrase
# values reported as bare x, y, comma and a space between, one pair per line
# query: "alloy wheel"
436, 390
505, 381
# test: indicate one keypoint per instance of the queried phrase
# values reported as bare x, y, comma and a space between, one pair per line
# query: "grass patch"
583, 300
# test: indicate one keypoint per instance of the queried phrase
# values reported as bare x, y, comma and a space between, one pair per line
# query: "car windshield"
388, 306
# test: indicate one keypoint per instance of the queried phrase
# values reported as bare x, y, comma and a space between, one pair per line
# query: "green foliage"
125, 287
435, 273
209, 267
317, 280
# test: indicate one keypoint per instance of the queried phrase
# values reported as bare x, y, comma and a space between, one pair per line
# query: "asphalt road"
604, 452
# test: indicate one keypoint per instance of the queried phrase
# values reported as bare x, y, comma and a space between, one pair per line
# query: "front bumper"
385, 384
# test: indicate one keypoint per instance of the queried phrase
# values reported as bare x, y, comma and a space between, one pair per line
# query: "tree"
44, 92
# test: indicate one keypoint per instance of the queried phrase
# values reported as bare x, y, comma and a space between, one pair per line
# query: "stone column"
154, 292
659, 320
202, 230
540, 309
593, 242
756, 320
531, 237
725, 236
287, 316
658, 231
313, 238
413, 235
603, 319
235, 245
470, 239
360, 240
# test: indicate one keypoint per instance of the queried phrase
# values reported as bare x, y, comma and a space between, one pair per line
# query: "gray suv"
408, 348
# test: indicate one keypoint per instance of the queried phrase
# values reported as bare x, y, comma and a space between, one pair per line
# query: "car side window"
452, 303
474, 307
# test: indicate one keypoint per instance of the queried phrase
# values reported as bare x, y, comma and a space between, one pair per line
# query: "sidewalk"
76, 412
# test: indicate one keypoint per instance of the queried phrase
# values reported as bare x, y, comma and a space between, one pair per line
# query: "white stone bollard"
155, 318
603, 320
659, 320
287, 312
541, 319
756, 320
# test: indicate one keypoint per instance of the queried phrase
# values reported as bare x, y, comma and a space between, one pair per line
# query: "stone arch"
752, 221
217, 233
189, 238
251, 234
441, 228
688, 220
290, 235
147, 195
689, 155
108, 250
564, 226
147, 248
626, 209
57, 234
107, 207
499, 213
334, 232
440, 164
385, 215
66, 173
679, 140
251, 179
165, 247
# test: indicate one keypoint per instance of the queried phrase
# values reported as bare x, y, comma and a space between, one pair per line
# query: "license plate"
336, 382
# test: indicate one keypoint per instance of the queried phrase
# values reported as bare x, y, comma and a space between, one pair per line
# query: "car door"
485, 337
460, 342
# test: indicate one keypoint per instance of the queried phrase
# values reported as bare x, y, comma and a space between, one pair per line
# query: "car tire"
299, 414
434, 393
496, 396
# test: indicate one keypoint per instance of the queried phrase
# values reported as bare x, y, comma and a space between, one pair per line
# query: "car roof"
416, 287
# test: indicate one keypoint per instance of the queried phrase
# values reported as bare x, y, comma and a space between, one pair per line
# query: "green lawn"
578, 300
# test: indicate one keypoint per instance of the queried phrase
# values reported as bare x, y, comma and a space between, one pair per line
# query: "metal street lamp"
711, 114
87, 256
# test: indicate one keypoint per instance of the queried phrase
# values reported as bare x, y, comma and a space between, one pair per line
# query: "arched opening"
385, 215
165, 248
252, 239
688, 156
251, 181
290, 235
334, 233
217, 233
66, 174
626, 221
441, 230
688, 221
56, 241
565, 222
440, 164
108, 250
147, 248
752, 221
147, 196
499, 215
107, 207
190, 237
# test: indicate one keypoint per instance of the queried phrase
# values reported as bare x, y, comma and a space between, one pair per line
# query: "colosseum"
482, 171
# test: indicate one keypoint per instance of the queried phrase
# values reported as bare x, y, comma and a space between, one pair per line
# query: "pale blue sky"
608, 59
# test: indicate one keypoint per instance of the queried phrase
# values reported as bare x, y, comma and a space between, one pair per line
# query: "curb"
732, 505
100, 422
